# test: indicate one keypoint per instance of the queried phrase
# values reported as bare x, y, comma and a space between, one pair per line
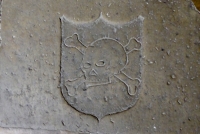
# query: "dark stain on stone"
197, 4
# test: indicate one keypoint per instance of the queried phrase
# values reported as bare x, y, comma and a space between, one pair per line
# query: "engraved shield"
101, 65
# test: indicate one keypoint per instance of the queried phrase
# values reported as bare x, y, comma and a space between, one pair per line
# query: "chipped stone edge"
103, 18
194, 7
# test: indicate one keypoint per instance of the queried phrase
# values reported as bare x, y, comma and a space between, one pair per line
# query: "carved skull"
102, 59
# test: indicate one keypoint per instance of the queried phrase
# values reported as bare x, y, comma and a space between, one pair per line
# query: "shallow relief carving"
100, 65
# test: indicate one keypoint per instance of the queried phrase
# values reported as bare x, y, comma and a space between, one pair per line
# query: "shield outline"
105, 21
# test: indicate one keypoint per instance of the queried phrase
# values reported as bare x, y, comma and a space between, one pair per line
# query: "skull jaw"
98, 78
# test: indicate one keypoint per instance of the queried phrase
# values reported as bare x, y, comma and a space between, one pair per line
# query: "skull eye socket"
87, 65
100, 63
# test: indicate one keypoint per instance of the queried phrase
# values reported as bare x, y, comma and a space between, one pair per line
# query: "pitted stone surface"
30, 92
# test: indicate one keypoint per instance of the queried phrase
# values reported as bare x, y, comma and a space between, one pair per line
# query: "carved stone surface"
101, 65
31, 59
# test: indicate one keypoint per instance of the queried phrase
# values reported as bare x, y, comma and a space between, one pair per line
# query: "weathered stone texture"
30, 94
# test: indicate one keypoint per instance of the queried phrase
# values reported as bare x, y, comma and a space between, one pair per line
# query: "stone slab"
30, 90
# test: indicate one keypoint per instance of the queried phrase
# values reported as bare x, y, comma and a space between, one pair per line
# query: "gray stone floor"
30, 93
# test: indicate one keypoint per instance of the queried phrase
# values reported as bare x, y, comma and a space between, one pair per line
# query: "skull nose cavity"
93, 72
